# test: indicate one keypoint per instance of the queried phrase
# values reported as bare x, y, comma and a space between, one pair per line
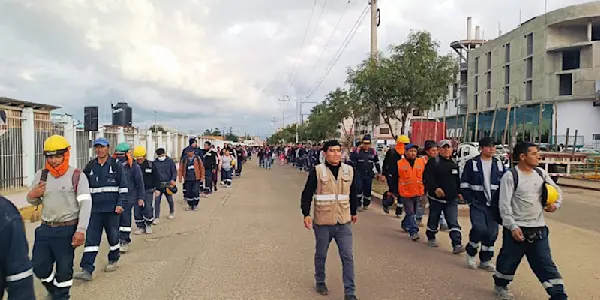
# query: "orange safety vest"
410, 179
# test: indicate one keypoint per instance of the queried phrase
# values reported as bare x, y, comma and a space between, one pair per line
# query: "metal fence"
44, 128
11, 152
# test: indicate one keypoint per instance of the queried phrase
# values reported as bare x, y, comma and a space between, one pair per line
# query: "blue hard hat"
101, 141
367, 137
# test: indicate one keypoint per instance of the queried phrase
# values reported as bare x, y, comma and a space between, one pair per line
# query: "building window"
489, 60
489, 80
476, 84
506, 95
565, 86
529, 38
488, 99
507, 52
529, 63
384, 131
528, 90
476, 65
446, 105
476, 102
596, 136
454, 91
571, 60
506, 74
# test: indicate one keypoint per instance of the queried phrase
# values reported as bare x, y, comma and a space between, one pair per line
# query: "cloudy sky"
211, 63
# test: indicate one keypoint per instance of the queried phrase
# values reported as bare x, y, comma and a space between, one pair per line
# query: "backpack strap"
515, 175
44, 175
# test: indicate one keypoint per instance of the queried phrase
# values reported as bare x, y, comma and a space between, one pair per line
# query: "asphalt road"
248, 242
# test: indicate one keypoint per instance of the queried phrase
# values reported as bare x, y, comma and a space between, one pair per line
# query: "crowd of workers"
78, 206
514, 199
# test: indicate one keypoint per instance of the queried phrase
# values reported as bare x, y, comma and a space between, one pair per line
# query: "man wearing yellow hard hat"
67, 204
390, 171
526, 191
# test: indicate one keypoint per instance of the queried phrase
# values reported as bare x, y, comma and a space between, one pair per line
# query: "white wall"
580, 115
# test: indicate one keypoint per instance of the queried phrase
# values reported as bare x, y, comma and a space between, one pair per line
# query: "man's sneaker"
487, 266
471, 262
111, 267
444, 227
124, 247
386, 210
414, 237
139, 231
458, 249
195, 208
171, 216
322, 289
350, 297
148, 229
503, 293
157, 221
366, 207
83, 275
432, 243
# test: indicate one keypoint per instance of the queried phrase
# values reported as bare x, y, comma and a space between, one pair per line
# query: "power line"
293, 77
343, 47
328, 41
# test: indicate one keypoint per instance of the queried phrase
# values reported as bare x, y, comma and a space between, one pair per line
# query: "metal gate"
11, 152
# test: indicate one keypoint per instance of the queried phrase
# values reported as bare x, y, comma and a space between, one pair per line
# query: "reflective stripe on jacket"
410, 179
332, 197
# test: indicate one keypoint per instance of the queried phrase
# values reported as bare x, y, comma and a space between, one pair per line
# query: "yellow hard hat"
403, 139
552, 194
56, 144
139, 151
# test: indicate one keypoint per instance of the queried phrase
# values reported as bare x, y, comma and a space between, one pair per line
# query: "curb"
463, 209
30, 213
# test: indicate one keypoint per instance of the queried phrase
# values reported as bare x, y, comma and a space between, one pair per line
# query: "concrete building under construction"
536, 80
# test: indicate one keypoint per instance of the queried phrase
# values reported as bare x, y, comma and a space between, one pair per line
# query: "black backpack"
495, 207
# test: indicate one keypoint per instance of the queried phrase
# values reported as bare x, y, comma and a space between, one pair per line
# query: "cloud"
210, 63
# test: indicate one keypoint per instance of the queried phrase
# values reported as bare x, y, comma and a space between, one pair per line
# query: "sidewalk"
592, 185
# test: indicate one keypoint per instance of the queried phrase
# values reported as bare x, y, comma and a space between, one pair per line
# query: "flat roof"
20, 103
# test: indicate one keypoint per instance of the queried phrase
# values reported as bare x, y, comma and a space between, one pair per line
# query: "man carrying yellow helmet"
390, 171
65, 217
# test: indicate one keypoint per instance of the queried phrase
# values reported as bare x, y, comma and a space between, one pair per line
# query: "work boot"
83, 275
139, 231
350, 297
322, 289
148, 229
471, 262
458, 249
366, 207
444, 227
414, 237
171, 216
503, 293
157, 221
487, 266
386, 210
124, 247
432, 243
111, 267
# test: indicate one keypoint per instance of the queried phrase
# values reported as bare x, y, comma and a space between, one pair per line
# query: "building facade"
543, 76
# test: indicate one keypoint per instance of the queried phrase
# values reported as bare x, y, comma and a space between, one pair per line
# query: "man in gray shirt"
525, 232
67, 204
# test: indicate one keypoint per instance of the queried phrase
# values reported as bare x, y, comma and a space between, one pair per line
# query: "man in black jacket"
210, 161
443, 187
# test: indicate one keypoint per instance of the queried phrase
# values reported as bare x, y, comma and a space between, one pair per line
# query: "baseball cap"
445, 143
409, 146
101, 141
430, 144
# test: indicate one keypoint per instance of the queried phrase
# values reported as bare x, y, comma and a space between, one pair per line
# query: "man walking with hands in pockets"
332, 186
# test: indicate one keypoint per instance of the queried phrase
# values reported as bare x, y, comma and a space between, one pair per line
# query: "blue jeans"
409, 223
208, 182
159, 200
540, 260
53, 245
226, 176
342, 233
268, 162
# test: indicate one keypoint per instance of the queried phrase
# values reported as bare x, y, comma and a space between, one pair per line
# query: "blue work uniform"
135, 188
108, 187
363, 162
167, 172
484, 229
16, 275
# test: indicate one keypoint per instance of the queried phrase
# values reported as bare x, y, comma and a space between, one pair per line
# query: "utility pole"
375, 20
283, 101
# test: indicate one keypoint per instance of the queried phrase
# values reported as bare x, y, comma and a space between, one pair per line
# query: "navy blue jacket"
167, 171
16, 275
108, 185
363, 162
135, 181
472, 184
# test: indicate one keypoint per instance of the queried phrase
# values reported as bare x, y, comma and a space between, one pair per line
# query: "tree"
413, 77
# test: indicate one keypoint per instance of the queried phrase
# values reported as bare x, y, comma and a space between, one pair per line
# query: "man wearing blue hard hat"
108, 187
